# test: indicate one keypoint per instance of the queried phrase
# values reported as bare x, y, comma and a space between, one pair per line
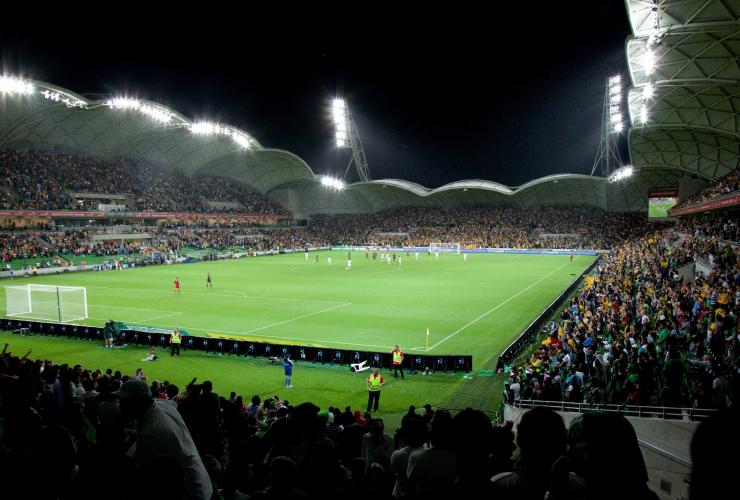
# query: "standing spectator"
162, 432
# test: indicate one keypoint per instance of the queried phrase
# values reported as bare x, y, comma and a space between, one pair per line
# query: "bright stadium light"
123, 103
203, 128
207, 128
648, 60
332, 182
68, 101
615, 103
644, 116
157, 113
11, 85
339, 113
648, 91
622, 173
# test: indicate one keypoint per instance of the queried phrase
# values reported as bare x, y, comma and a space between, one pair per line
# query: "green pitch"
474, 307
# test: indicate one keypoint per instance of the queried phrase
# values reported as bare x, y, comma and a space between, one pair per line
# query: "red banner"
727, 201
139, 215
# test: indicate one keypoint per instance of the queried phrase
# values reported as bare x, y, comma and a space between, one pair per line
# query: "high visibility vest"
374, 383
397, 357
175, 339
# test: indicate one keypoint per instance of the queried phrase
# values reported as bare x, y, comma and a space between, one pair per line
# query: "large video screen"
660, 203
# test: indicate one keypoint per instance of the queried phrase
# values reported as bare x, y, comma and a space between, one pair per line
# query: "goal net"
444, 247
46, 302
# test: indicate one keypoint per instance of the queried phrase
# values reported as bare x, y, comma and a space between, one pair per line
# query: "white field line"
157, 317
495, 308
297, 318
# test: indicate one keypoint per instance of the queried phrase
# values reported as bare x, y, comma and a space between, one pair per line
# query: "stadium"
154, 262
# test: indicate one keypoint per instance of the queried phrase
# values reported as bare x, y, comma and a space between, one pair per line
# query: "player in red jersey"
177, 285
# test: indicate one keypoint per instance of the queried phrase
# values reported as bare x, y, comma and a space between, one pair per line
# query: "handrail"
662, 412
664, 453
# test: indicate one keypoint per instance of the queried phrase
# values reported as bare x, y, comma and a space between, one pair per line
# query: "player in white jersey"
349, 264
306, 256
416, 255
465, 257
328, 260
436, 255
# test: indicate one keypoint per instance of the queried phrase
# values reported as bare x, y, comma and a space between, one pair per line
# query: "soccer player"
317, 258
177, 285
349, 264
465, 257
288, 368
571, 256
209, 281
416, 255
436, 255
399, 260
328, 260
306, 256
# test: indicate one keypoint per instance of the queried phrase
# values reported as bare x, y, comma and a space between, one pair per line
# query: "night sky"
505, 93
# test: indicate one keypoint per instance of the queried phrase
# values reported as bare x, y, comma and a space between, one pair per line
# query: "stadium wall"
143, 336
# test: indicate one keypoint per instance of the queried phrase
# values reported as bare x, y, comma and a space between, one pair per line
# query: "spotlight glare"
648, 61
621, 173
13, 85
332, 182
648, 91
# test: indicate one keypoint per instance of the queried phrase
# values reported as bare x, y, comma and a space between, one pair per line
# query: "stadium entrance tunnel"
413, 363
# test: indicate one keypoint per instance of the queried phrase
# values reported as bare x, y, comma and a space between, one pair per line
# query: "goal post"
444, 247
46, 302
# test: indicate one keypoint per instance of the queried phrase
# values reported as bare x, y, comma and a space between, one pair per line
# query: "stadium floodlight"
123, 103
157, 113
611, 126
648, 91
648, 60
69, 101
12, 85
339, 113
332, 182
614, 92
622, 173
203, 128
346, 135
644, 116
207, 128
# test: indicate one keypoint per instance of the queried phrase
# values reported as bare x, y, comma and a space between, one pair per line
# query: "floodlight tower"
607, 158
348, 136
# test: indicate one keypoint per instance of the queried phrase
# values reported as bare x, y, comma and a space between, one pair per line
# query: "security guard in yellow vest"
175, 341
397, 354
374, 383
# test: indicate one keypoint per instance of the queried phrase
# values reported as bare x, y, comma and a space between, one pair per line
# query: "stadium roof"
40, 114
685, 101
692, 129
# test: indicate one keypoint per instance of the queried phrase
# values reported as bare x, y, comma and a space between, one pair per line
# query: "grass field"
474, 307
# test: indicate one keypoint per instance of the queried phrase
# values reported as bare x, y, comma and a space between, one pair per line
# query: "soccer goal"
46, 302
444, 247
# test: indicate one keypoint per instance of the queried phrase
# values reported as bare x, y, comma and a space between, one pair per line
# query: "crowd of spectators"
68, 431
45, 180
640, 333
488, 227
723, 186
